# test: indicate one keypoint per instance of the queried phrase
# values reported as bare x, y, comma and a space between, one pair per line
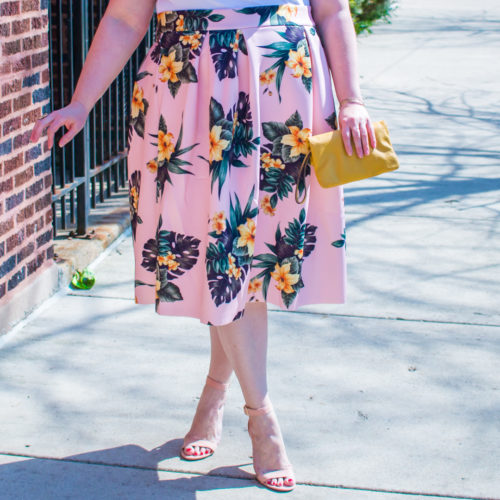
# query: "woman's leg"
220, 368
207, 421
245, 344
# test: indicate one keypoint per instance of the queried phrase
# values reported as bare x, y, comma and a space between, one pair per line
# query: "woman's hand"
73, 117
356, 126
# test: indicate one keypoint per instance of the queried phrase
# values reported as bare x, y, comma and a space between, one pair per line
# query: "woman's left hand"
356, 126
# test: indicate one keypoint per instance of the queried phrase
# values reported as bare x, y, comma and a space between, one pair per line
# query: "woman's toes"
189, 450
289, 481
280, 482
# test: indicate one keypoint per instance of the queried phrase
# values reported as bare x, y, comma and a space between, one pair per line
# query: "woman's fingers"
53, 128
72, 116
357, 129
371, 134
364, 139
40, 126
68, 136
356, 136
346, 137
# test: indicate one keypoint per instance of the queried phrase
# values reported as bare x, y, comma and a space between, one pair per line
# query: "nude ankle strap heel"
285, 473
255, 412
204, 443
217, 385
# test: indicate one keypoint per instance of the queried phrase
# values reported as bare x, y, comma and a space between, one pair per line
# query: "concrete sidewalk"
395, 395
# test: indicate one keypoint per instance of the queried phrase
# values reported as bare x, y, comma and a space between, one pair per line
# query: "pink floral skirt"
223, 104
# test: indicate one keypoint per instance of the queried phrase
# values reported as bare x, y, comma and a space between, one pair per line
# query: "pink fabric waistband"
225, 19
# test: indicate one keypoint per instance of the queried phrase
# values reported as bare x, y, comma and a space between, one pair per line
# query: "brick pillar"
25, 178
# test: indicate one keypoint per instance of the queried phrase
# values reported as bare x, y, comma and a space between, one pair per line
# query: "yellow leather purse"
334, 167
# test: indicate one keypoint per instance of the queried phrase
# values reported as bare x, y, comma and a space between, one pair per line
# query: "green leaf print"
231, 138
281, 158
284, 264
169, 159
166, 291
266, 13
340, 243
294, 54
274, 130
228, 258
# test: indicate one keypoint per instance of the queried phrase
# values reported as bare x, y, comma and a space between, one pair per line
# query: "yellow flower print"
266, 160
298, 140
235, 45
162, 18
135, 197
266, 206
219, 222
247, 235
267, 77
299, 62
137, 102
152, 166
284, 279
235, 122
254, 286
287, 11
217, 145
169, 261
277, 163
299, 253
169, 68
165, 145
179, 24
233, 270
193, 40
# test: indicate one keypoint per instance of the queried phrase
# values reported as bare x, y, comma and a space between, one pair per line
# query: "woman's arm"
120, 31
335, 27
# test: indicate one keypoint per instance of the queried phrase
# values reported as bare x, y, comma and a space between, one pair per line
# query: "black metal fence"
94, 165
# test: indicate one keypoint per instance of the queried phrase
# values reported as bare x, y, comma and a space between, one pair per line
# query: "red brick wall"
25, 178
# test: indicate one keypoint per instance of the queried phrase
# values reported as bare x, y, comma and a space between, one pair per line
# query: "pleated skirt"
222, 107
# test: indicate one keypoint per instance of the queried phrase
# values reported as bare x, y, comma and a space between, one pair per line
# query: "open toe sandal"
285, 472
203, 443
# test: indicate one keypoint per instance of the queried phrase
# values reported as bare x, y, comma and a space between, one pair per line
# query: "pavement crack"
391, 318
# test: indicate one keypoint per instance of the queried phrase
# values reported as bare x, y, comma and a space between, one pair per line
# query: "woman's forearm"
334, 23
113, 44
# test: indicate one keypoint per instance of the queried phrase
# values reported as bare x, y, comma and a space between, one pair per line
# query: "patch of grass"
365, 13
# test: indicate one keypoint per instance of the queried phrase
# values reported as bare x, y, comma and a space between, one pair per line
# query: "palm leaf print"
275, 14
294, 53
282, 156
225, 45
284, 263
228, 258
231, 138
169, 255
169, 159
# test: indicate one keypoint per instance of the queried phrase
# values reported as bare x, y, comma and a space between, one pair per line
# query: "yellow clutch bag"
334, 167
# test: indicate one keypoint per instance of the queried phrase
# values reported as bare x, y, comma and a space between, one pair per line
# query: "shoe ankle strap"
255, 412
216, 384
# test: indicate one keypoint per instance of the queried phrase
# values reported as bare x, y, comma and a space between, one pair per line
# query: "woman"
222, 107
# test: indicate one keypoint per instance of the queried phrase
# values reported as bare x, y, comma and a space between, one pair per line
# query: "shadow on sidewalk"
124, 472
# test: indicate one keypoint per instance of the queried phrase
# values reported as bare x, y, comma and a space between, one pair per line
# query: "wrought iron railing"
90, 168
